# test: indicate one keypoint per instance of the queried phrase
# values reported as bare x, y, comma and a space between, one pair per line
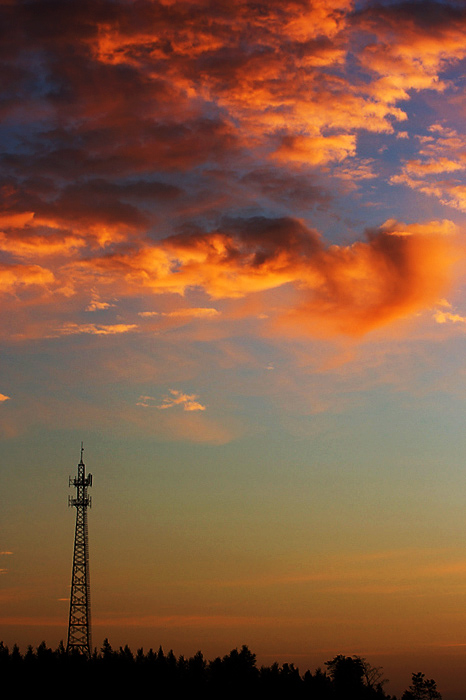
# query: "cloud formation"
189, 402
160, 154
448, 317
438, 170
95, 329
399, 269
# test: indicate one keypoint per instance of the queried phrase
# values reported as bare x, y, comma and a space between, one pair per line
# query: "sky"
232, 263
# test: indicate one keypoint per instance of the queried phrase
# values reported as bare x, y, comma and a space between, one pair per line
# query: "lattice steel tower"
79, 628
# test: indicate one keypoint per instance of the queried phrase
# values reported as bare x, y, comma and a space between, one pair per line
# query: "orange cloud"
96, 305
34, 245
282, 84
95, 329
15, 278
15, 220
251, 76
443, 152
316, 150
263, 99
413, 47
178, 398
445, 317
400, 270
183, 313
368, 285
431, 167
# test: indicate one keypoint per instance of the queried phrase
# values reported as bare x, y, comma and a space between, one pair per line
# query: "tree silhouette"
347, 674
421, 688
354, 678
121, 673
318, 686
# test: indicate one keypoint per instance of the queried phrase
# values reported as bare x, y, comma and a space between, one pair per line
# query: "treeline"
120, 673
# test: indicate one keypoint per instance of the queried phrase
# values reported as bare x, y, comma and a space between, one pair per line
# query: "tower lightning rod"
79, 626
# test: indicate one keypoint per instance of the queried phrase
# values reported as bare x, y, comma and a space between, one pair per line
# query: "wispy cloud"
146, 401
96, 305
96, 329
193, 313
200, 312
438, 171
4, 554
448, 317
189, 402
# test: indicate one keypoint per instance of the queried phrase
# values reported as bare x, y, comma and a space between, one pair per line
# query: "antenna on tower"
79, 627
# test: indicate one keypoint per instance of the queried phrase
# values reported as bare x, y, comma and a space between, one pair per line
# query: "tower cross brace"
79, 627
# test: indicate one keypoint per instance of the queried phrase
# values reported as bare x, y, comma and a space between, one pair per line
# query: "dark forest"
155, 674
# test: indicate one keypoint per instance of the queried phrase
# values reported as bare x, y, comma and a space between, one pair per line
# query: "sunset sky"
232, 263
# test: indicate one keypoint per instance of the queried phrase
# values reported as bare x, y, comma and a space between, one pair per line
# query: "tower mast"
79, 627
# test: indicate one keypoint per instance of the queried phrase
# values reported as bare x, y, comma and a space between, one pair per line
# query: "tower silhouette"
79, 627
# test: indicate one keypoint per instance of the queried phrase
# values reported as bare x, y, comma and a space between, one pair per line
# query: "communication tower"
79, 628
